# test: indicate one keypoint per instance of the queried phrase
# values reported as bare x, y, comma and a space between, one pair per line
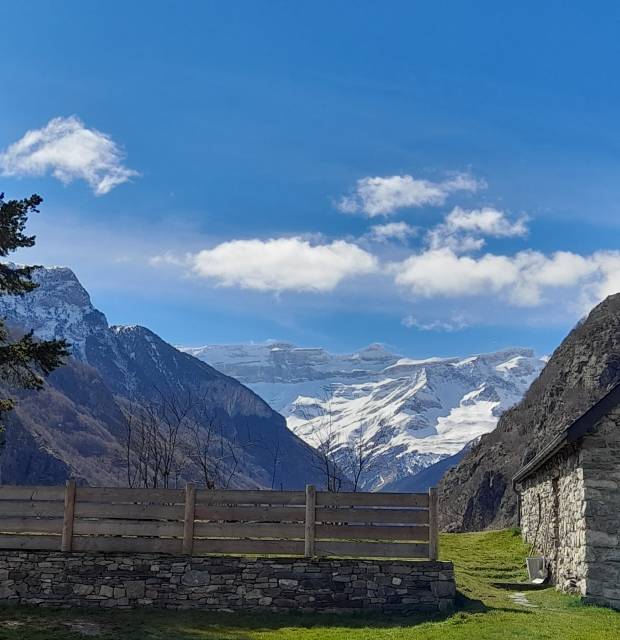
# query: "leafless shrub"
175, 433
360, 456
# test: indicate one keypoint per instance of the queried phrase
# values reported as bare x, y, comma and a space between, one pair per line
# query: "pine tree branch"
26, 361
13, 219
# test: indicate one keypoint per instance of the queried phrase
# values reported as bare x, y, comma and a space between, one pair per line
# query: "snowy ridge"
413, 412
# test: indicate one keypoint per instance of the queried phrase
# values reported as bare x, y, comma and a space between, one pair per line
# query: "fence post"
310, 520
68, 517
433, 531
188, 519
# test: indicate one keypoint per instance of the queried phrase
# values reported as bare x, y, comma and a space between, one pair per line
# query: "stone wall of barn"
600, 458
570, 513
552, 519
54, 579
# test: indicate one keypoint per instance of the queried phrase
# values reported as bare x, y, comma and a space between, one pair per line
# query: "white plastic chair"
537, 570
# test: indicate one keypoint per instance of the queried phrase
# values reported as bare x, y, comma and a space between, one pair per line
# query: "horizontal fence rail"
233, 522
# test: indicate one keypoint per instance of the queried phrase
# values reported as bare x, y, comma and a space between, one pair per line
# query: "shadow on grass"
469, 605
300, 620
189, 624
236, 627
57, 624
242, 626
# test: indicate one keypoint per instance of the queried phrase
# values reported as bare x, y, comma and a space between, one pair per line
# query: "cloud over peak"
283, 264
381, 196
70, 151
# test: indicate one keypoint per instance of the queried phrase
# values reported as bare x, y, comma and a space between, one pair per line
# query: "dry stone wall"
552, 519
600, 458
570, 513
224, 583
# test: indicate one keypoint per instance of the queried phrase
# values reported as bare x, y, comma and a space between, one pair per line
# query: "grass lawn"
483, 612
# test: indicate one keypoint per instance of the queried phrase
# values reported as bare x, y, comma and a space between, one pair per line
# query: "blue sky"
225, 171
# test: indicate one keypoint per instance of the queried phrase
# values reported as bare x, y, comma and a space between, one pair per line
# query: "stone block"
286, 583
443, 589
83, 589
135, 589
106, 590
195, 578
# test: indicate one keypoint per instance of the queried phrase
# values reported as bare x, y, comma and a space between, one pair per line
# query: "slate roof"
586, 423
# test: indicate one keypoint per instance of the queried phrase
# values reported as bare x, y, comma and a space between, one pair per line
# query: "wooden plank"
188, 519
369, 516
361, 499
50, 543
361, 532
126, 494
249, 547
31, 525
433, 546
237, 497
372, 549
248, 530
251, 514
69, 512
130, 511
12, 492
310, 523
109, 527
31, 508
127, 545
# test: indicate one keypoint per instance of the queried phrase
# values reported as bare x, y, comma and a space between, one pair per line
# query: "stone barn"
569, 504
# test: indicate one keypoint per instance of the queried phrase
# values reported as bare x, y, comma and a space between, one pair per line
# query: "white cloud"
486, 221
537, 272
441, 238
521, 279
70, 151
608, 263
462, 229
381, 196
440, 272
392, 231
281, 264
448, 326
450, 268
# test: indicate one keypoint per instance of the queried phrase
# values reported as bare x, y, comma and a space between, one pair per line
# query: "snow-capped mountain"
76, 425
411, 413
59, 308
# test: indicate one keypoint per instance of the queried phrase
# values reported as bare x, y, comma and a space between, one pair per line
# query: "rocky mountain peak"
59, 308
76, 424
477, 493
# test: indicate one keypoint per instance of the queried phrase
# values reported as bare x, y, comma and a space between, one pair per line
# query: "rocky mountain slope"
477, 493
78, 424
427, 477
411, 413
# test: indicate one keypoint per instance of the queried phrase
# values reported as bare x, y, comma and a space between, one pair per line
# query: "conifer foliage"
25, 360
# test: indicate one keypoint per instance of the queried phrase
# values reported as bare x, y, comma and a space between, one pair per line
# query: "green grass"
484, 612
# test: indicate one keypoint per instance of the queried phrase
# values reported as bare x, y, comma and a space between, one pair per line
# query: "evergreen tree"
24, 361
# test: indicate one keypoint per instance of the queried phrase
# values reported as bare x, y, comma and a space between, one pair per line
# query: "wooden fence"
199, 521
